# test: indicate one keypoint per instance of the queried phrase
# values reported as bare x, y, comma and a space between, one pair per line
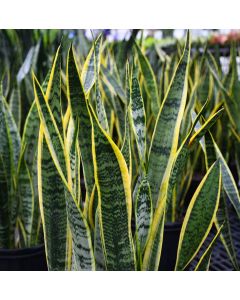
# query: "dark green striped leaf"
143, 214
114, 198
98, 247
114, 84
81, 236
126, 148
165, 137
15, 106
199, 217
80, 113
4, 208
204, 262
52, 170
26, 198
149, 80
153, 250
88, 75
138, 117
100, 109
53, 208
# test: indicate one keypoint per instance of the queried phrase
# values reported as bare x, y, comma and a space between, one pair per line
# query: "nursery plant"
19, 209
118, 223
108, 147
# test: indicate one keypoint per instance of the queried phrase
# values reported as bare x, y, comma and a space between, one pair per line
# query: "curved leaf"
204, 262
199, 217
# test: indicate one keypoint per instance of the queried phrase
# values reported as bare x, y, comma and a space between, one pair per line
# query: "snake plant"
19, 209
130, 154
102, 154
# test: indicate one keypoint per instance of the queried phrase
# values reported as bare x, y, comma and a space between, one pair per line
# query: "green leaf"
81, 236
138, 117
166, 132
9, 151
153, 250
211, 149
98, 247
149, 80
14, 137
126, 147
231, 105
30, 135
113, 83
228, 182
100, 109
5, 145
226, 234
29, 62
15, 106
4, 211
199, 217
50, 129
114, 198
185, 148
53, 208
31, 130
143, 214
88, 75
204, 262
52, 170
80, 113
26, 198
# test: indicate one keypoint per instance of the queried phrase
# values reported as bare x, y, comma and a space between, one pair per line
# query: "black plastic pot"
27, 259
169, 247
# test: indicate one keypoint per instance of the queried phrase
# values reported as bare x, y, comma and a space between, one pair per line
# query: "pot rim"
21, 252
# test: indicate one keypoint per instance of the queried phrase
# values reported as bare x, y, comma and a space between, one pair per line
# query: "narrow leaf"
166, 132
114, 198
199, 217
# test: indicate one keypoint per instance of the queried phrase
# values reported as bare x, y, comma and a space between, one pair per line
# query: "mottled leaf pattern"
80, 113
143, 214
204, 262
4, 211
138, 117
199, 216
81, 237
150, 80
165, 137
88, 75
114, 198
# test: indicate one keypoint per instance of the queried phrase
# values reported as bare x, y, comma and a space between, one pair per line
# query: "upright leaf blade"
4, 208
199, 217
165, 137
138, 117
114, 198
88, 75
52, 169
203, 264
15, 106
81, 236
150, 80
80, 113
25, 193
143, 214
